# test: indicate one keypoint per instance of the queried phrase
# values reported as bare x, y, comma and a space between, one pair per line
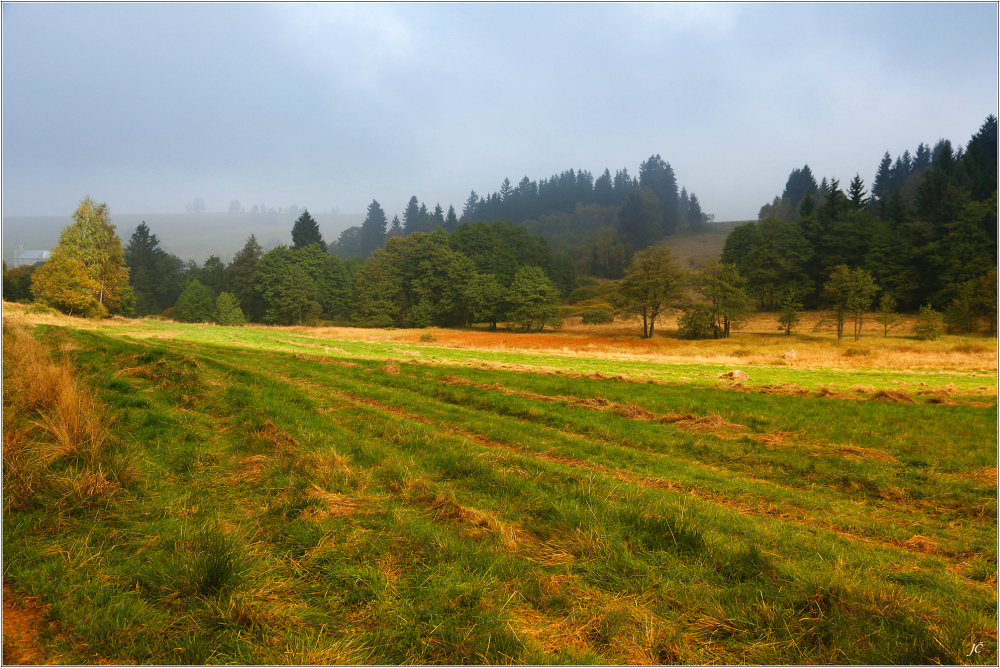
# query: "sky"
329, 106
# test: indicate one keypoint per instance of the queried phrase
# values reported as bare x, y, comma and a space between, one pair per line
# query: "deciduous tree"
533, 300
653, 282
92, 240
63, 283
725, 291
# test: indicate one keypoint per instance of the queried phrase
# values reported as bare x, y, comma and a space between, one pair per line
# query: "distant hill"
695, 250
190, 236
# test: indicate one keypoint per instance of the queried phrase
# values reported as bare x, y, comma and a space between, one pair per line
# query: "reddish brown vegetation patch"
921, 544
629, 411
866, 453
331, 504
21, 624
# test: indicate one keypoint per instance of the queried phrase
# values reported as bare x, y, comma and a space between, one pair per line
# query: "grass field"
198, 494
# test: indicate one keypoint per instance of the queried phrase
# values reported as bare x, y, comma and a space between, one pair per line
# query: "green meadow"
196, 494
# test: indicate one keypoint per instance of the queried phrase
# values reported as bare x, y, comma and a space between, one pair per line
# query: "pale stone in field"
735, 374
790, 355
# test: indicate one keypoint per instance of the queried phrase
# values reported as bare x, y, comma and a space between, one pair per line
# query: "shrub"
195, 303
597, 317
930, 324
789, 317
960, 315
428, 338
581, 294
696, 322
228, 311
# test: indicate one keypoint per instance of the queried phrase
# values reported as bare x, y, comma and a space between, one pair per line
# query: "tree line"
926, 233
599, 223
482, 272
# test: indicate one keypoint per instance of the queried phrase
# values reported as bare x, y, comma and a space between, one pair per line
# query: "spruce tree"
411, 216
450, 221
372, 233
856, 193
305, 232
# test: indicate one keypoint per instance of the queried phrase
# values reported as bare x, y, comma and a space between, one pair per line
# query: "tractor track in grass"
753, 508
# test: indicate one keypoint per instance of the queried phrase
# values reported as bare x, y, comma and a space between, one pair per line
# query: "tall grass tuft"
56, 445
221, 564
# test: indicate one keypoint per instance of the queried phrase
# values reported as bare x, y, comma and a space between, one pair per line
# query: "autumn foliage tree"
89, 259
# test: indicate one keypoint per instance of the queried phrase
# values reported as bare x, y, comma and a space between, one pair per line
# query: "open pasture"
197, 494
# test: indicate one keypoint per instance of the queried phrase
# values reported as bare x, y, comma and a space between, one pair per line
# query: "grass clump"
58, 442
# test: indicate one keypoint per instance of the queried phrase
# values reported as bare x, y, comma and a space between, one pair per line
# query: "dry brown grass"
759, 341
54, 432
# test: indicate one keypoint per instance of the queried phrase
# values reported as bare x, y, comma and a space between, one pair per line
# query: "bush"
960, 315
930, 324
696, 323
228, 311
195, 304
581, 294
597, 317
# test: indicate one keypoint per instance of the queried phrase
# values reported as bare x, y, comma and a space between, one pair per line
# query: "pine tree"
695, 218
411, 216
604, 190
471, 206
856, 193
305, 232
450, 221
881, 186
658, 176
372, 233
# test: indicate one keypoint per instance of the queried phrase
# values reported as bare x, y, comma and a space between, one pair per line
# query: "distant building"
26, 258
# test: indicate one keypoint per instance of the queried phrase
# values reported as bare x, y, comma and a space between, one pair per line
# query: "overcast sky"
147, 106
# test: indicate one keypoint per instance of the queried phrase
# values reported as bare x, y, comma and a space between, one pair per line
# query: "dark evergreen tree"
450, 221
142, 255
623, 184
395, 229
238, 278
437, 219
506, 190
800, 182
922, 159
349, 243
305, 232
604, 190
882, 185
980, 160
695, 218
856, 193
639, 218
372, 233
412, 221
658, 176
471, 204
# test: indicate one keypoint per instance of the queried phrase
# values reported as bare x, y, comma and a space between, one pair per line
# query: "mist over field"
190, 236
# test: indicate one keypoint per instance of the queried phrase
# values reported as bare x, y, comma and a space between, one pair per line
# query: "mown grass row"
285, 510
